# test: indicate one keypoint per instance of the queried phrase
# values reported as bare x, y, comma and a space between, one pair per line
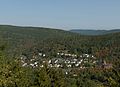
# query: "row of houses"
74, 55
63, 60
59, 62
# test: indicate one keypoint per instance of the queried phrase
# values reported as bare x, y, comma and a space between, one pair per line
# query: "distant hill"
94, 32
31, 32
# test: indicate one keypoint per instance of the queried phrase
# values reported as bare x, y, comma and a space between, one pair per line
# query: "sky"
61, 14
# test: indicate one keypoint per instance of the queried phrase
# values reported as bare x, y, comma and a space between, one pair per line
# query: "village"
66, 61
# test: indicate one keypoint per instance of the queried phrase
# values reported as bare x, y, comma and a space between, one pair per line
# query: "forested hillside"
28, 37
43, 57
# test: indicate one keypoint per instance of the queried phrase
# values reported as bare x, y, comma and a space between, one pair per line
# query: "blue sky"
63, 14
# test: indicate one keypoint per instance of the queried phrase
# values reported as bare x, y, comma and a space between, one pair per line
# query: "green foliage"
15, 41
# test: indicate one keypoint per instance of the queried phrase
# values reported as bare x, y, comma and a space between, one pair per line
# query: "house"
66, 72
69, 65
57, 65
50, 65
49, 61
106, 65
81, 56
36, 63
62, 54
94, 62
67, 61
73, 55
43, 61
58, 53
32, 59
32, 65
42, 66
75, 59
25, 64
56, 61
44, 55
74, 74
40, 54
86, 55
76, 64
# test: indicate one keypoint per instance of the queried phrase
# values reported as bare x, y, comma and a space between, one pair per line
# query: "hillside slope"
31, 39
23, 38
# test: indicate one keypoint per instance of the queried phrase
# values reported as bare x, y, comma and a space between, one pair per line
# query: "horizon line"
14, 25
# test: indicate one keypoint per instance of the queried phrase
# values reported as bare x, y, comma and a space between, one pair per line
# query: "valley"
36, 55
